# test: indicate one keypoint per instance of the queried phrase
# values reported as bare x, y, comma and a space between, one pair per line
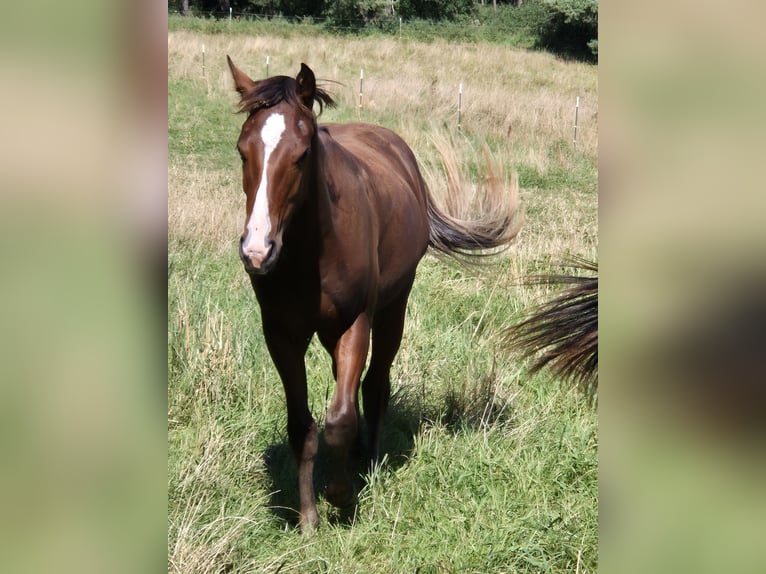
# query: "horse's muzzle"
258, 261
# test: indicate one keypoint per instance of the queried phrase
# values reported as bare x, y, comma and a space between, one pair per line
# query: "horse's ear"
307, 86
242, 81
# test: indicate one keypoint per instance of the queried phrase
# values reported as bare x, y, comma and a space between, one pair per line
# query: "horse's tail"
565, 329
469, 226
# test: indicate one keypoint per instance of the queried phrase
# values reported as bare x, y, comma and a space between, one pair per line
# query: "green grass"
487, 468
199, 127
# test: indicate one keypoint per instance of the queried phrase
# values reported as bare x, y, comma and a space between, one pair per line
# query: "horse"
338, 216
565, 328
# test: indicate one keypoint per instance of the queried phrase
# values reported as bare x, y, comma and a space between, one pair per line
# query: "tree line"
567, 27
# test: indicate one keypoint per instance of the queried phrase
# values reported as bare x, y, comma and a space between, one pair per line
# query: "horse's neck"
321, 187
315, 219
309, 222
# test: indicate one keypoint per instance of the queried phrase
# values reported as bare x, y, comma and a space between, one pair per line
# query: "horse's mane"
271, 91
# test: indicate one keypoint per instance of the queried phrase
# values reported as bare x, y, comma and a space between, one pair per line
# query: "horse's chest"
342, 299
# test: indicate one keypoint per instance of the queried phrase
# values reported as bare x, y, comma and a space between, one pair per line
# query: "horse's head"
275, 145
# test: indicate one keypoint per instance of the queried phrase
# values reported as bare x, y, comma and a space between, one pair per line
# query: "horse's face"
275, 145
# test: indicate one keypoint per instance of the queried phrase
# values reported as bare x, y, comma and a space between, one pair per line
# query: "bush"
515, 25
356, 14
437, 9
571, 28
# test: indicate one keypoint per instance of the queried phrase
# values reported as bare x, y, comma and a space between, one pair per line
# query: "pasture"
487, 468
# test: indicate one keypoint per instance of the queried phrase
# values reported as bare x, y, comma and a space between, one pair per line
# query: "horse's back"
383, 153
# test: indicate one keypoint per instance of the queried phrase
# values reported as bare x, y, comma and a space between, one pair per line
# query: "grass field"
488, 469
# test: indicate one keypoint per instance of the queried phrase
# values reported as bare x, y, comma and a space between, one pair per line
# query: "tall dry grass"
202, 205
525, 97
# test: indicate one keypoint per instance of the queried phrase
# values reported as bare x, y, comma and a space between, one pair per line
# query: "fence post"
577, 113
203, 60
361, 81
459, 104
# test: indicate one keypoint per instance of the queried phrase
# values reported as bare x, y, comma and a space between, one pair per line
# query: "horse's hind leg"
341, 427
288, 356
376, 389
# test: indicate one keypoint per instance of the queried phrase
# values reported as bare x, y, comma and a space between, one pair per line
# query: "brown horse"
338, 217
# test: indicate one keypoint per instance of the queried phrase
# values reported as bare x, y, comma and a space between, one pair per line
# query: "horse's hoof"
309, 521
340, 494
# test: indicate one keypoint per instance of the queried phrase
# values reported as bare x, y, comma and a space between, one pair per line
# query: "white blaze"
259, 225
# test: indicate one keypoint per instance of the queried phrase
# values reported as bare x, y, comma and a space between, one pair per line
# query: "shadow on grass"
460, 409
283, 485
402, 424
283, 475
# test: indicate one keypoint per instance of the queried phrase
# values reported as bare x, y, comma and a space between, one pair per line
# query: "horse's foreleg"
288, 356
341, 427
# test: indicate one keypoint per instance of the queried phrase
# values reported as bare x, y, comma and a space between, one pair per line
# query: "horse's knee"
341, 493
303, 438
341, 427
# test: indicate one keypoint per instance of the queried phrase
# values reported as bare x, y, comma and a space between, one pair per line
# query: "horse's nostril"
270, 251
